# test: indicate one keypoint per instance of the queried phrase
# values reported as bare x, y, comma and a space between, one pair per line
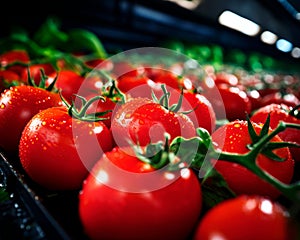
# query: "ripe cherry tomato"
121, 117
7, 79
246, 217
17, 106
68, 81
146, 121
124, 68
234, 137
116, 194
136, 85
226, 78
57, 151
280, 112
35, 72
234, 100
289, 99
13, 56
197, 107
169, 78
103, 105
104, 64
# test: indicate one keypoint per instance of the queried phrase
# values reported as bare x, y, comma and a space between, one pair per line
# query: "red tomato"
92, 84
35, 72
254, 97
121, 118
227, 78
107, 104
148, 122
136, 85
123, 68
234, 100
68, 81
15, 55
7, 78
115, 194
202, 114
288, 99
246, 217
104, 64
68, 148
234, 138
154, 71
280, 112
169, 78
17, 106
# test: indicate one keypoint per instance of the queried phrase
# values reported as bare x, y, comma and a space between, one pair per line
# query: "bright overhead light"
284, 45
239, 23
268, 37
296, 52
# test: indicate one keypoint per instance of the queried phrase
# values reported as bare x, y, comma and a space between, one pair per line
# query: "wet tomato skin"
245, 217
17, 106
234, 138
280, 112
57, 151
167, 212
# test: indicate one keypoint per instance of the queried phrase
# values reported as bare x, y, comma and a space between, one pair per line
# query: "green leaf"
50, 35
84, 40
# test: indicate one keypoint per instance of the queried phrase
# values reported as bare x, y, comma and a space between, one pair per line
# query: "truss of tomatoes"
135, 149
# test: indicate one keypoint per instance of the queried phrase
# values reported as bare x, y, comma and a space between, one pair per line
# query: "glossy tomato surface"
68, 81
151, 121
246, 217
234, 100
57, 151
280, 112
197, 107
17, 106
234, 138
116, 203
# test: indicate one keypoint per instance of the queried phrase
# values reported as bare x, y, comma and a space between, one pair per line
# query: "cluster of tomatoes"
106, 129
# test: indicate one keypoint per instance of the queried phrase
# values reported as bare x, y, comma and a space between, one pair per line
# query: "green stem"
248, 160
292, 192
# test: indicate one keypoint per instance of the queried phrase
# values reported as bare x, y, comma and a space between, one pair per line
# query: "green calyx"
267, 150
81, 113
157, 154
176, 153
164, 101
42, 83
111, 91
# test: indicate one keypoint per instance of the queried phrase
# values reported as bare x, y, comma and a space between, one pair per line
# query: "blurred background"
252, 33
